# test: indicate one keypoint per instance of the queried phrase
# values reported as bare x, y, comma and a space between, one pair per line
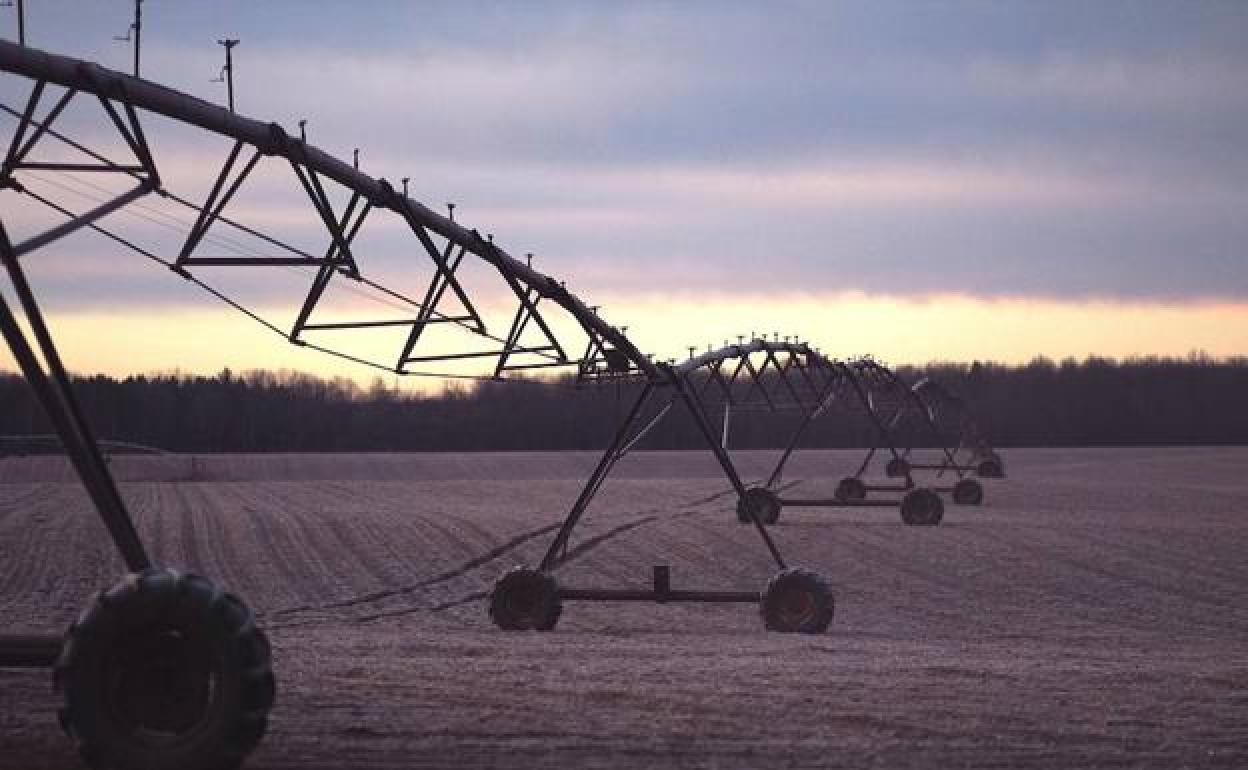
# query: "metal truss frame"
609, 354
790, 377
123, 95
124, 100
923, 403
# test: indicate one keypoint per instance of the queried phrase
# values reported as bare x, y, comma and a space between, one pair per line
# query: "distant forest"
1148, 401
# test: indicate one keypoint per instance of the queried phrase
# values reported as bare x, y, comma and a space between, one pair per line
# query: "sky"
921, 181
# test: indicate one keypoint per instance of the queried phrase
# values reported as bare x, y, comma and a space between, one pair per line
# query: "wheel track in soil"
1185, 599
10, 507
875, 560
279, 548
42, 548
378, 544
155, 526
480, 560
872, 549
361, 541
1226, 580
187, 540
1081, 608
228, 547
1082, 600
430, 535
433, 535
315, 554
457, 532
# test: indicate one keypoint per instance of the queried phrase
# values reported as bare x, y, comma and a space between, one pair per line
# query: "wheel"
968, 492
922, 508
851, 490
897, 468
991, 468
165, 671
525, 599
797, 600
758, 502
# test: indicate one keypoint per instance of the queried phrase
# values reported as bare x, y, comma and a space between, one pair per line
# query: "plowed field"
1093, 613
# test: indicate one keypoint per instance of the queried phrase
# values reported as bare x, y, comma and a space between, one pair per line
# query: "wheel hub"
795, 607
160, 685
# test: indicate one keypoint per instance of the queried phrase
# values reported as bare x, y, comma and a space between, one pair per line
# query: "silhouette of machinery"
167, 670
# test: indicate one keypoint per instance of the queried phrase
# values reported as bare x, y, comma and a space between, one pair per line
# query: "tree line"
1097, 401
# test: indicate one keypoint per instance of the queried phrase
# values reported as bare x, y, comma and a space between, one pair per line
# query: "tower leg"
55, 393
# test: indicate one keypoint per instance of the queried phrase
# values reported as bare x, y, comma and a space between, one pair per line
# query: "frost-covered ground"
1092, 613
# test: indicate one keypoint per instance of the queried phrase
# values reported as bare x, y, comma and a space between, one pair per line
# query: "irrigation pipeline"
608, 350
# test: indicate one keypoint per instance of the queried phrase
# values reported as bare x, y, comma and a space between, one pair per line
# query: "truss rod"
267, 324
303, 258
273, 140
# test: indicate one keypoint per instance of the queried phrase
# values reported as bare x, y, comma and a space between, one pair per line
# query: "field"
1094, 613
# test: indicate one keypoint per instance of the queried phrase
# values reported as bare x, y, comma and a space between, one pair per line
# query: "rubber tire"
851, 490
763, 501
815, 617
189, 607
968, 492
897, 468
525, 599
991, 468
922, 508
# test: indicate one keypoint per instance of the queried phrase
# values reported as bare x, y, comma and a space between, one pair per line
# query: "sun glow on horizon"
900, 330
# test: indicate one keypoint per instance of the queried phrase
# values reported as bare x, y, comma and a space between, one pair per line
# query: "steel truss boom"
124, 99
758, 375
312, 166
933, 407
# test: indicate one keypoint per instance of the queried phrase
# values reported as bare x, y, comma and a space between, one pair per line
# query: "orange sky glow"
896, 330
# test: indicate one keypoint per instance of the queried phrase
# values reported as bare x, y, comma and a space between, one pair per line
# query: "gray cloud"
1060, 149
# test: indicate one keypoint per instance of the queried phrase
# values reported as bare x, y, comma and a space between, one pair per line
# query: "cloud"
996, 150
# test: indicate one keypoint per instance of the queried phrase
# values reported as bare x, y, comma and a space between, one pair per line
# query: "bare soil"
1093, 613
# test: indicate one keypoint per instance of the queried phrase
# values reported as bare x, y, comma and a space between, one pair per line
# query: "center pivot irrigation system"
750, 376
926, 414
166, 670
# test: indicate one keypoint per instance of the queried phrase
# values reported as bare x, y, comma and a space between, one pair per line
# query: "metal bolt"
406, 179
303, 130
450, 207
528, 259
355, 160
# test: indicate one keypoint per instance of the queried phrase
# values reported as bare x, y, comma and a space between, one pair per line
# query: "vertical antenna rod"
21, 19
134, 32
138, 32
227, 72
